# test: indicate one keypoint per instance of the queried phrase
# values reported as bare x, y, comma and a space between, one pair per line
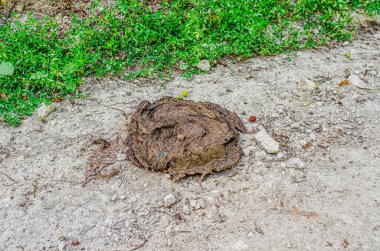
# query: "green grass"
50, 63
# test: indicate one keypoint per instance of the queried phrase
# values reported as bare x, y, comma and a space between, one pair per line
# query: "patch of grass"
50, 61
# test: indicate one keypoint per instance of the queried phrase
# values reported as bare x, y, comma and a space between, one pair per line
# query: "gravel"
169, 200
267, 142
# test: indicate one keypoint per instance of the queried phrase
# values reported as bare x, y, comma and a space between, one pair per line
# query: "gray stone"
62, 245
170, 242
202, 203
204, 65
357, 82
186, 209
306, 84
193, 203
114, 198
295, 125
267, 142
248, 150
313, 136
260, 155
169, 200
280, 155
121, 156
316, 126
295, 163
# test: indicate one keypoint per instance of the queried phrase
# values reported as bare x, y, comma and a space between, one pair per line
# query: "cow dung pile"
183, 137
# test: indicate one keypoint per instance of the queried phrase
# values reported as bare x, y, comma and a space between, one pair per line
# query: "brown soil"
43, 8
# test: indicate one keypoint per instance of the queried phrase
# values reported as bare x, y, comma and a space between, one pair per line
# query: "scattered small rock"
202, 203
313, 136
357, 82
170, 242
169, 200
114, 198
306, 84
248, 150
62, 245
295, 125
204, 65
186, 209
193, 203
316, 126
260, 155
267, 142
280, 155
295, 163
121, 156
43, 111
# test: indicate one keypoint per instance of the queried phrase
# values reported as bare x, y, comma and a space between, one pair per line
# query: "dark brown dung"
183, 137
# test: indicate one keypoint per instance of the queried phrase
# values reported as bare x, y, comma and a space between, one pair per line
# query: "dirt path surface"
320, 192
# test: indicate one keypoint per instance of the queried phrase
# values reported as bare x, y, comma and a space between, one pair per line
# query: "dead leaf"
259, 230
108, 176
296, 212
345, 243
178, 216
3, 95
344, 82
306, 145
75, 243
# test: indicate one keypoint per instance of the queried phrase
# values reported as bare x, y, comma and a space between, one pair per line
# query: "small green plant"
49, 62
185, 94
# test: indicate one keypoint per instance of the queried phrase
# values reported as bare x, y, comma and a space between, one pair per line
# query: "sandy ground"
321, 192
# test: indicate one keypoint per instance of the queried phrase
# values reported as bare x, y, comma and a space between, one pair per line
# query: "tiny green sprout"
348, 55
185, 94
180, 97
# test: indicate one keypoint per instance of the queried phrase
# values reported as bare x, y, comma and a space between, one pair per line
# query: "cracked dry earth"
320, 192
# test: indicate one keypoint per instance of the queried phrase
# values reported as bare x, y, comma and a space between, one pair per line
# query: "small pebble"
295, 125
170, 242
280, 155
316, 126
169, 200
313, 136
193, 203
260, 155
121, 156
202, 203
114, 198
186, 209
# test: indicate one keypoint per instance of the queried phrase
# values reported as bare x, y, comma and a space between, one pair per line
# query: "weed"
50, 61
